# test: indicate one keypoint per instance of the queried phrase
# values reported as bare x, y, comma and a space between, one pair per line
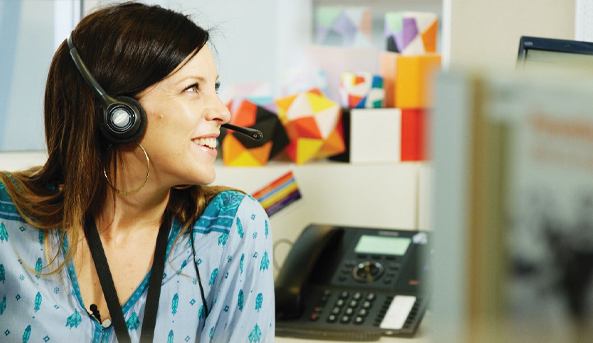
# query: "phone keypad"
349, 307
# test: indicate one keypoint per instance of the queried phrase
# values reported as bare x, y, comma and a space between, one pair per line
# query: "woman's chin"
204, 178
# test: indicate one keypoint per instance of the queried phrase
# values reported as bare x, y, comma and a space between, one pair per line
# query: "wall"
27, 40
486, 33
251, 44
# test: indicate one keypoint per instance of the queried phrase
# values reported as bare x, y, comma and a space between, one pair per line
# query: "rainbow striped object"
278, 194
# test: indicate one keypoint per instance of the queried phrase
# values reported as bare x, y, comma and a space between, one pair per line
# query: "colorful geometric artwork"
278, 194
411, 33
388, 70
313, 124
239, 150
415, 79
415, 134
334, 60
343, 26
361, 90
403, 136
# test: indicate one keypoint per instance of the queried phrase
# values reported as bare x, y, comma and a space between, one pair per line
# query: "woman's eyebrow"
184, 80
196, 78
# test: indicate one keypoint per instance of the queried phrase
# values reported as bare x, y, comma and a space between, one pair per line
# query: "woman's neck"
124, 216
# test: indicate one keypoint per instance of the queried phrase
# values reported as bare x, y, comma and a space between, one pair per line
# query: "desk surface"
418, 339
422, 336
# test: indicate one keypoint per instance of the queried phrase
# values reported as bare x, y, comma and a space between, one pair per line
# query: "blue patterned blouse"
233, 247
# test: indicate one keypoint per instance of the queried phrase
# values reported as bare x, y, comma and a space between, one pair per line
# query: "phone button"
314, 317
340, 302
358, 320
366, 304
357, 296
350, 263
371, 296
324, 297
353, 303
363, 312
336, 310
344, 295
349, 311
394, 265
345, 319
332, 318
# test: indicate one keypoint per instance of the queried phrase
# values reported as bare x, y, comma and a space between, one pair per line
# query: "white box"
375, 135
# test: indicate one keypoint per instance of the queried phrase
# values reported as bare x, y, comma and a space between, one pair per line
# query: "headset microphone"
124, 119
249, 132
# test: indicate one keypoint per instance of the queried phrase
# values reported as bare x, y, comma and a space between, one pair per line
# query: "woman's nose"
219, 112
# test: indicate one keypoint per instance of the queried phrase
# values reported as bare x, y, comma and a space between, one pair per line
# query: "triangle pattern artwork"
343, 26
411, 33
239, 150
361, 90
310, 121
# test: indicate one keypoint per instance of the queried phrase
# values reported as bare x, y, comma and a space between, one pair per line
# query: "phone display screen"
382, 245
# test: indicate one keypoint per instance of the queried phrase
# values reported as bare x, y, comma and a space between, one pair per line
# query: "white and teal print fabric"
233, 246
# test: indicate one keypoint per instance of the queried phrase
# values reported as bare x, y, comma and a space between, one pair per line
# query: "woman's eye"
193, 88
217, 86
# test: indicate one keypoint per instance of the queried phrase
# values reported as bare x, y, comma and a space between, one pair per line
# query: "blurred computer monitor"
537, 52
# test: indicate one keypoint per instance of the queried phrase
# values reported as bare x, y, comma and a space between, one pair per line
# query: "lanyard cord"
106, 280
193, 247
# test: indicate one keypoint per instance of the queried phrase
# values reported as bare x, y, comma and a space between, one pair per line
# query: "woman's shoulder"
16, 231
224, 209
8, 210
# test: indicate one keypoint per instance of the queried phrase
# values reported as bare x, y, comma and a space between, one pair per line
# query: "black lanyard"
154, 283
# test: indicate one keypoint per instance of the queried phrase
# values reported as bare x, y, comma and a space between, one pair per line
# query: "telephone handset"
352, 284
298, 266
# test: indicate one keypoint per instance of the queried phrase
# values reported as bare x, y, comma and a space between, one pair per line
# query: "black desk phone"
352, 284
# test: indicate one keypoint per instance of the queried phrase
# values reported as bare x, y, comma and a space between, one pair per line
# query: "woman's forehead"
199, 66
200, 62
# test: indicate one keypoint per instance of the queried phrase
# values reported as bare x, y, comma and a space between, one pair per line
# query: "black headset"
124, 119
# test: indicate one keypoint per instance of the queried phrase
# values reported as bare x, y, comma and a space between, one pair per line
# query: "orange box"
388, 69
415, 134
414, 80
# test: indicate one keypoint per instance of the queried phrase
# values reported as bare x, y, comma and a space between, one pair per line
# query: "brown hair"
127, 48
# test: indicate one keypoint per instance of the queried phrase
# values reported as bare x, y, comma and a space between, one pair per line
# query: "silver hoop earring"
143, 183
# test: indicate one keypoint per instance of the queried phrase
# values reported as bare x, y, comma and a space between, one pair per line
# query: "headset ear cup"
140, 117
132, 131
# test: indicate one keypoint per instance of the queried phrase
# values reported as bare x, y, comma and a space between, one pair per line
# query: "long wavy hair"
127, 48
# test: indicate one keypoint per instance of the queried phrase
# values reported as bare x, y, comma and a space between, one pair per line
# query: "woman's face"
184, 117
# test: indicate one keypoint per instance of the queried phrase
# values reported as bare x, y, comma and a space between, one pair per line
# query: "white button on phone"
398, 312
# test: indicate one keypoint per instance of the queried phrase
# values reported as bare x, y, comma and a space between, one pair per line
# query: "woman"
87, 239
